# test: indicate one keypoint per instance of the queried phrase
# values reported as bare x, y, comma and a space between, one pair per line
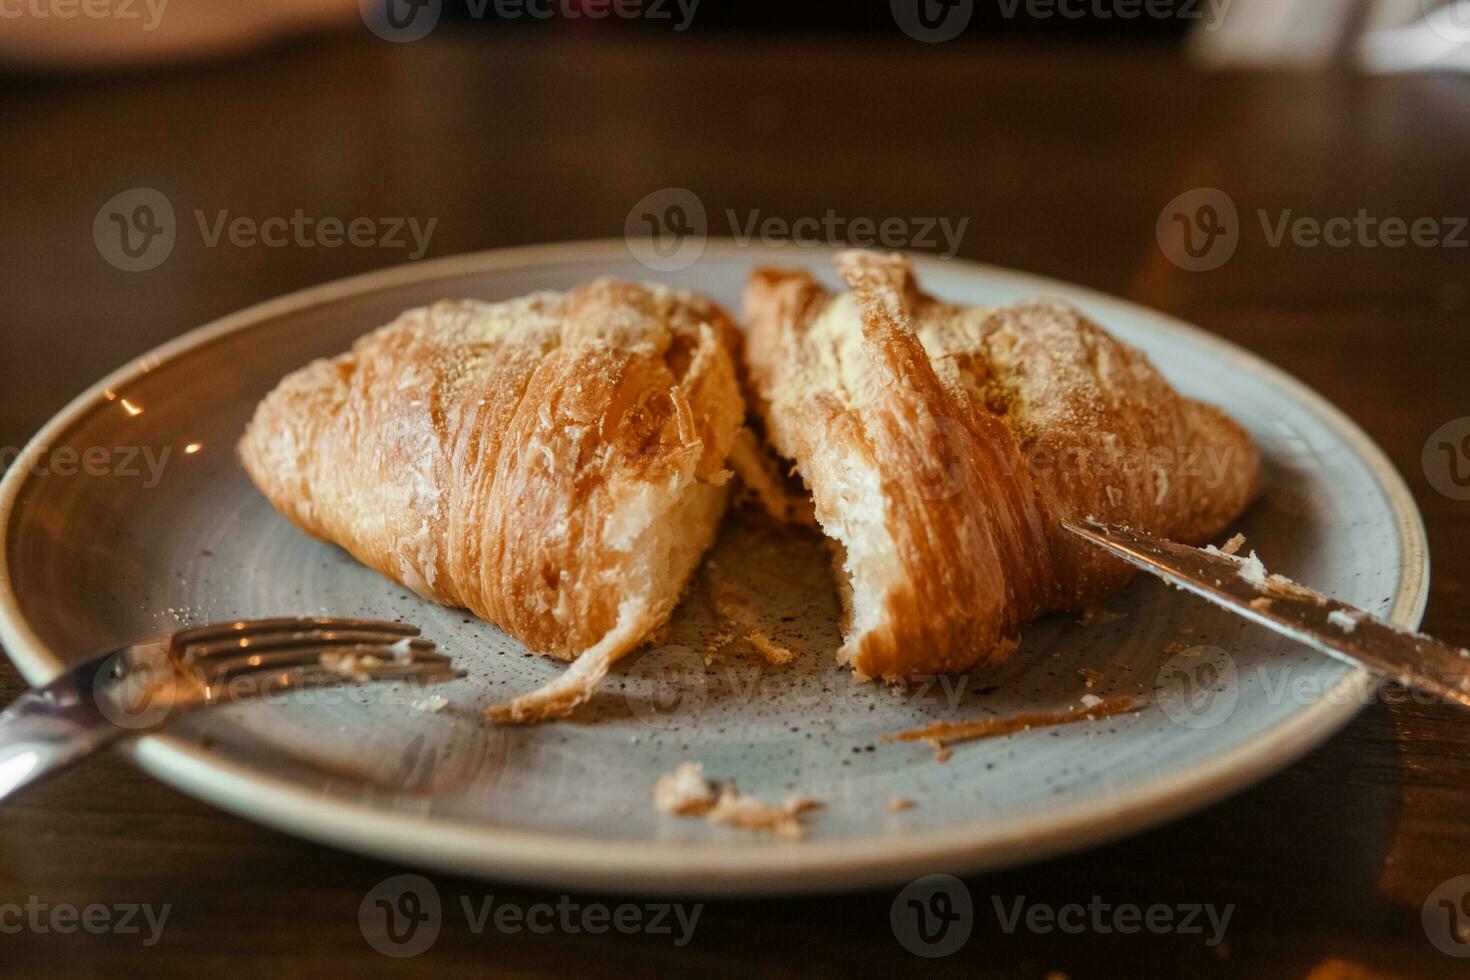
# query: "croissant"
944, 446
555, 463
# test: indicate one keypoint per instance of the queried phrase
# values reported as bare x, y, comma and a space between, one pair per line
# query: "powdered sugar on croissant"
944, 445
554, 463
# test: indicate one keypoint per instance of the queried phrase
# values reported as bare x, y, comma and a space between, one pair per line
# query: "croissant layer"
944, 446
553, 463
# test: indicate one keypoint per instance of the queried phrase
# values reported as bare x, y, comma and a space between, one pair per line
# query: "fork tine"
214, 649
315, 675
252, 627
365, 656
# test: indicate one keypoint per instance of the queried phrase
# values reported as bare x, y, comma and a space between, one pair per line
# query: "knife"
1242, 586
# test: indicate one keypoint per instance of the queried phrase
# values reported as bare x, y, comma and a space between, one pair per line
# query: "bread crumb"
717, 643
738, 810
402, 651
1233, 545
897, 804
1091, 700
1253, 571
1344, 619
734, 604
684, 791
1090, 676
433, 704
1262, 604
353, 666
772, 652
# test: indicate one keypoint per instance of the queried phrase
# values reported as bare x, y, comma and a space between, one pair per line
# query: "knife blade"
1242, 586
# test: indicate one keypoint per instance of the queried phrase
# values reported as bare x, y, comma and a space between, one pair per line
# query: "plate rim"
715, 868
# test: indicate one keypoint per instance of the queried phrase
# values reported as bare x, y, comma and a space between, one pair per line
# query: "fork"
134, 689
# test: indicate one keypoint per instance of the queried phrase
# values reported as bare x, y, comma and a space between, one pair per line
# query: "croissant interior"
944, 446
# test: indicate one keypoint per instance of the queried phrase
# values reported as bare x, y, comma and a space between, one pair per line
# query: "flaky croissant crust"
514, 458
956, 440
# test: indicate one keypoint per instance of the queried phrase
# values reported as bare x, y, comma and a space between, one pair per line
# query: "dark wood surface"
1061, 159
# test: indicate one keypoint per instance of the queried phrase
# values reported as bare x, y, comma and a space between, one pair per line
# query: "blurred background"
1056, 130
83, 35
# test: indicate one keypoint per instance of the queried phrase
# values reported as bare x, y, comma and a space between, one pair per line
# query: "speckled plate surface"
98, 555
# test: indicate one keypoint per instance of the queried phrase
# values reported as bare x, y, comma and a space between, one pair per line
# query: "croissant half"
945, 445
555, 463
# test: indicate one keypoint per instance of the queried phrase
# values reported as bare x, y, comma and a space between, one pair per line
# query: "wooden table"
1061, 159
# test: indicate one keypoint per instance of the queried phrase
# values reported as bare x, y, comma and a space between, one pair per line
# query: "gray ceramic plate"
93, 559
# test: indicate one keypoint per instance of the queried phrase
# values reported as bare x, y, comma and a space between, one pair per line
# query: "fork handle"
46, 730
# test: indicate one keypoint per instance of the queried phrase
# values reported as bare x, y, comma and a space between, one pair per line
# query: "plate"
128, 516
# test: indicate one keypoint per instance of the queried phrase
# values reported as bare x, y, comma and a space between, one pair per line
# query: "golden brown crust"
981, 430
516, 458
